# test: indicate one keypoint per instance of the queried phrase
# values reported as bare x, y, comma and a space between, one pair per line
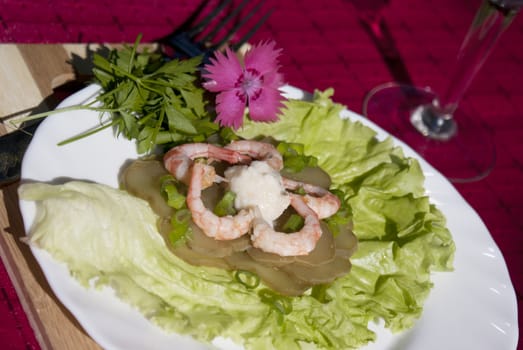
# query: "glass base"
461, 148
427, 120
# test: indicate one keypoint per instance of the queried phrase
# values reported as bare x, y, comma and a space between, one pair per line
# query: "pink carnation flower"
254, 84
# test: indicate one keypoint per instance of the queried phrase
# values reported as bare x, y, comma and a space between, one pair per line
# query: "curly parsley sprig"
148, 98
155, 101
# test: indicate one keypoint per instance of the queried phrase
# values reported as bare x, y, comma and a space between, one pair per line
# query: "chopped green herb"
226, 205
341, 218
319, 292
294, 158
247, 278
180, 223
174, 198
228, 135
293, 223
278, 303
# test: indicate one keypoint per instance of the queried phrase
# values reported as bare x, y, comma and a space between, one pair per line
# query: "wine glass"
454, 142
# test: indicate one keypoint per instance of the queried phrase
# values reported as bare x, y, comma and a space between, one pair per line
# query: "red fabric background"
324, 45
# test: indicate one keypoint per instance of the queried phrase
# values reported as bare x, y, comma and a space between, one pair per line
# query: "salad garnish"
254, 83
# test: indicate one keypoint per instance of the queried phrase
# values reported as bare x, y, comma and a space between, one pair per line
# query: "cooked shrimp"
323, 202
258, 150
178, 160
301, 242
220, 228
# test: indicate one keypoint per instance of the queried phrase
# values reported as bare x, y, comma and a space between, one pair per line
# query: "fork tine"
188, 29
189, 22
207, 19
220, 25
251, 32
183, 41
244, 20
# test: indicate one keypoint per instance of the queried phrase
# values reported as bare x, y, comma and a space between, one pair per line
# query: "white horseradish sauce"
258, 186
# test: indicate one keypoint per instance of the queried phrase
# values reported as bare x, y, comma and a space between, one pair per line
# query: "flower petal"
263, 57
273, 80
223, 72
266, 105
230, 108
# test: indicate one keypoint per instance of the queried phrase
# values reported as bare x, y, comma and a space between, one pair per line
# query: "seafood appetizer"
272, 223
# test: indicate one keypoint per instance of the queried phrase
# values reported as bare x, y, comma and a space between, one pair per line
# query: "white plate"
473, 307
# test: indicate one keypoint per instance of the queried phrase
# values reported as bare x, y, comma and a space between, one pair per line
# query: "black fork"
188, 41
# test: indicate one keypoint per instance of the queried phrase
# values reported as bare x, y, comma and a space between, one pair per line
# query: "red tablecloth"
324, 46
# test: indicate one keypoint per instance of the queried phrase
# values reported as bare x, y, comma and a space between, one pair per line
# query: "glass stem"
436, 120
490, 21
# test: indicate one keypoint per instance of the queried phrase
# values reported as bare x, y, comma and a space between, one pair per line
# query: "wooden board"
28, 74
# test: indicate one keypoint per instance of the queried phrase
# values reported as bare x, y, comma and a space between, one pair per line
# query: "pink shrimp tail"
322, 201
178, 160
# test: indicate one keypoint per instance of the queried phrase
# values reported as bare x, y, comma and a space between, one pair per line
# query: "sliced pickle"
324, 273
269, 259
323, 252
164, 226
311, 175
212, 195
142, 178
201, 243
346, 242
272, 276
197, 259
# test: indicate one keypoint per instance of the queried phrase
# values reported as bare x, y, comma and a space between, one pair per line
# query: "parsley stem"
87, 133
133, 53
157, 128
60, 110
116, 68
145, 119
139, 82
159, 82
